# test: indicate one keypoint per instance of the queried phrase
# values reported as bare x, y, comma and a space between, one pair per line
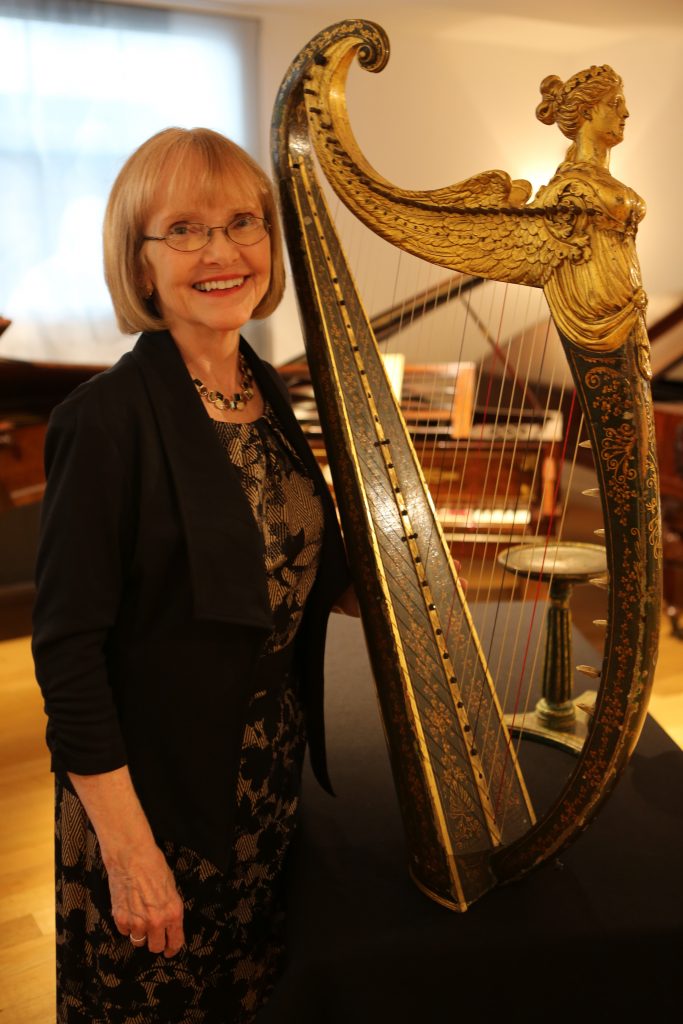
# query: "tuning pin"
588, 709
588, 670
600, 622
600, 581
600, 532
585, 444
592, 492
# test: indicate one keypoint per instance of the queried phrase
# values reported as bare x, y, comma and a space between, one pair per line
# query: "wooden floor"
26, 882
26, 889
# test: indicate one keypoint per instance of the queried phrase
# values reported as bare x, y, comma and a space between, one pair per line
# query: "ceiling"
619, 13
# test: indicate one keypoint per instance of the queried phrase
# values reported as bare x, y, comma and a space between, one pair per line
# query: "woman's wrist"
120, 823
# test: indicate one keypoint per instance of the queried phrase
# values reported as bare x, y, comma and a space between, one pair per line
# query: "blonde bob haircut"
212, 165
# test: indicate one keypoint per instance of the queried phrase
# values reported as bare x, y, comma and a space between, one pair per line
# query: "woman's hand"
145, 903
347, 603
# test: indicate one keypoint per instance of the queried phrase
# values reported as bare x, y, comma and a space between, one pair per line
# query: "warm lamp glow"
539, 175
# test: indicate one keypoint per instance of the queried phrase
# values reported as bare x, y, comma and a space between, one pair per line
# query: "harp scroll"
466, 810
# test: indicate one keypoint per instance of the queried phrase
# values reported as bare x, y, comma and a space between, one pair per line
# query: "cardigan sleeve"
79, 577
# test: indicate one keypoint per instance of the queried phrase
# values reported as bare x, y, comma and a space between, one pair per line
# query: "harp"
466, 809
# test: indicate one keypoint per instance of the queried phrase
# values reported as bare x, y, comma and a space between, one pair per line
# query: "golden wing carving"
483, 226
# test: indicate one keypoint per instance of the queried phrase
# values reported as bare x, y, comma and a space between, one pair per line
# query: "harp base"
478, 879
534, 725
441, 900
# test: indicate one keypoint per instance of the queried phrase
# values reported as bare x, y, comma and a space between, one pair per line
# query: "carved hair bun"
551, 91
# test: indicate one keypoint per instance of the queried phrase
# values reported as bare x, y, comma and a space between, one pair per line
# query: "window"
81, 86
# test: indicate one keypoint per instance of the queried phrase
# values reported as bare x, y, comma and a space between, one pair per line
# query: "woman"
189, 560
601, 300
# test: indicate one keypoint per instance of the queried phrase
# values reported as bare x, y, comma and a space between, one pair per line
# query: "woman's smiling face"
214, 290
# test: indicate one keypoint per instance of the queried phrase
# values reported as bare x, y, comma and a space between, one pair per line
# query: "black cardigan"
152, 604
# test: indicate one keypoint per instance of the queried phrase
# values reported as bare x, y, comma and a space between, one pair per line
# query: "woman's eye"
246, 220
185, 229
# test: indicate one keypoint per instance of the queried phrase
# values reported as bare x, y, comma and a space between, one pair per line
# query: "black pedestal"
597, 932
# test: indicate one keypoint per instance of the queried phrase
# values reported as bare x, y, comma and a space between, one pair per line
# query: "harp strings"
408, 603
515, 645
504, 389
495, 619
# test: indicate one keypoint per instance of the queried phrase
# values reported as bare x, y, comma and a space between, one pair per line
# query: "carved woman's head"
590, 103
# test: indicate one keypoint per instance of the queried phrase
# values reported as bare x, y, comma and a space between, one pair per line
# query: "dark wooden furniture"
667, 391
669, 430
28, 393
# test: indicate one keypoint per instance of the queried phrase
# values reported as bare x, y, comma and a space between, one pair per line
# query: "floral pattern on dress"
286, 509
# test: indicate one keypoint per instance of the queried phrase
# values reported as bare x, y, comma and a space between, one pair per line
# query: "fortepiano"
476, 511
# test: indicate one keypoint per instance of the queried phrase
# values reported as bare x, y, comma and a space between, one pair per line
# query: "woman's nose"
224, 239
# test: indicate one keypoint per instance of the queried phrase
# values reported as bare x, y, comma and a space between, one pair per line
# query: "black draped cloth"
598, 930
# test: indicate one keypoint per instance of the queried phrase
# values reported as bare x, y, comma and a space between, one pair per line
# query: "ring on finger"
137, 941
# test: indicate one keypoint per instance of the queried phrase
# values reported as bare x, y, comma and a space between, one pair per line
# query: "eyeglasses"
189, 237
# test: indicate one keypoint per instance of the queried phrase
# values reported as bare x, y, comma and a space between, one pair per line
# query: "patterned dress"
233, 922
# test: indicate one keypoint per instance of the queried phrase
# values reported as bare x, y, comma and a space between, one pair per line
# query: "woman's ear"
144, 282
143, 277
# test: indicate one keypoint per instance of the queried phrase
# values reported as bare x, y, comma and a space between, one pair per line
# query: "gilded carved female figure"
598, 301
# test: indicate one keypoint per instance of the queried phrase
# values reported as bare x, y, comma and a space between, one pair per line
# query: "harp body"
467, 814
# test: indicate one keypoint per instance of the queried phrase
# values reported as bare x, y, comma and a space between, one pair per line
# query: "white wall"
458, 96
